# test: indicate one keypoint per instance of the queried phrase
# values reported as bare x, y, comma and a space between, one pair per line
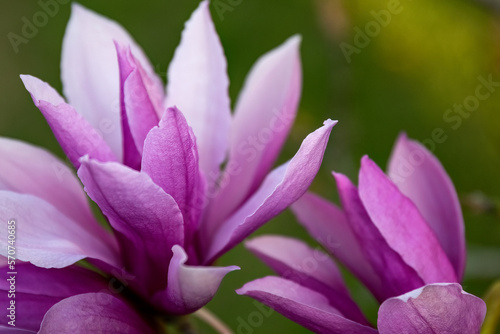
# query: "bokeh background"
426, 59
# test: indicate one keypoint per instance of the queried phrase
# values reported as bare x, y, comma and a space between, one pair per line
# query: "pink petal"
48, 238
93, 313
282, 187
393, 275
294, 260
38, 289
141, 100
435, 308
189, 287
198, 85
75, 135
27, 169
89, 71
148, 220
264, 115
402, 225
171, 159
421, 177
302, 305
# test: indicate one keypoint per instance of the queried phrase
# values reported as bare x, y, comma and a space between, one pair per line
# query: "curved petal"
93, 313
189, 287
148, 220
75, 135
264, 115
421, 177
198, 85
393, 275
294, 260
89, 71
402, 225
38, 289
171, 159
27, 169
302, 305
280, 189
141, 101
435, 308
46, 237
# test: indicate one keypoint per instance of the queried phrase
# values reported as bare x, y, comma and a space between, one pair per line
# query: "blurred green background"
425, 60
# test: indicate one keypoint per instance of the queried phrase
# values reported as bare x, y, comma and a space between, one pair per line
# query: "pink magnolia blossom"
152, 162
402, 236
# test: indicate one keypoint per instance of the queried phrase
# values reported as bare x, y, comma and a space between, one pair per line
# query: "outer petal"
198, 85
189, 287
27, 169
89, 71
402, 225
93, 313
264, 115
46, 237
148, 220
435, 308
394, 275
294, 260
171, 159
75, 135
421, 177
141, 101
282, 187
302, 305
38, 289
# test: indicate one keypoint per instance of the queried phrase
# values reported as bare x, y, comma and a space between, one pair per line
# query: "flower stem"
210, 319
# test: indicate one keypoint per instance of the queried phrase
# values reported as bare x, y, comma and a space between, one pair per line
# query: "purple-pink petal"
421, 177
48, 238
294, 260
90, 74
282, 187
198, 86
189, 287
263, 117
94, 313
147, 219
75, 135
393, 275
402, 225
302, 305
435, 308
38, 289
171, 160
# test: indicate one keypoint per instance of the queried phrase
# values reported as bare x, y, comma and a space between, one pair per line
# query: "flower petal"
141, 101
402, 225
148, 220
294, 260
282, 187
46, 237
302, 305
435, 308
27, 169
264, 115
189, 287
89, 71
171, 160
393, 275
198, 85
93, 313
75, 135
421, 177
38, 289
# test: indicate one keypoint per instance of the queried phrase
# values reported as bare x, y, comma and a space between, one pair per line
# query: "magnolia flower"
151, 161
402, 236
